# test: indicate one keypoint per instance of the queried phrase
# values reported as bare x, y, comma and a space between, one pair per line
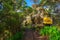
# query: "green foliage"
51, 31
48, 30
17, 36
9, 18
27, 26
29, 9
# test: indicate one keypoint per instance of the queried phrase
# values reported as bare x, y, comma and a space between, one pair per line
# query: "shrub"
17, 36
51, 31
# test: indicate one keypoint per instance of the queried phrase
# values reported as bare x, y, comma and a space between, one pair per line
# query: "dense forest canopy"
14, 12
9, 10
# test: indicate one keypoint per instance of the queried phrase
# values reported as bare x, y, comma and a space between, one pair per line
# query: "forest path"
30, 35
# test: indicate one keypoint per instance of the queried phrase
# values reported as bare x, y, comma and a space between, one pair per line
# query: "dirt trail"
30, 35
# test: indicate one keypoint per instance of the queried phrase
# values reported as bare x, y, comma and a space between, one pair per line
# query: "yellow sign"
47, 20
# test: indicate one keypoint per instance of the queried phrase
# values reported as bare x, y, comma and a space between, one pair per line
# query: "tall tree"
9, 18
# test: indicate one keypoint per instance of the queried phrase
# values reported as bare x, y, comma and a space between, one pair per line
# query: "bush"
17, 36
51, 31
